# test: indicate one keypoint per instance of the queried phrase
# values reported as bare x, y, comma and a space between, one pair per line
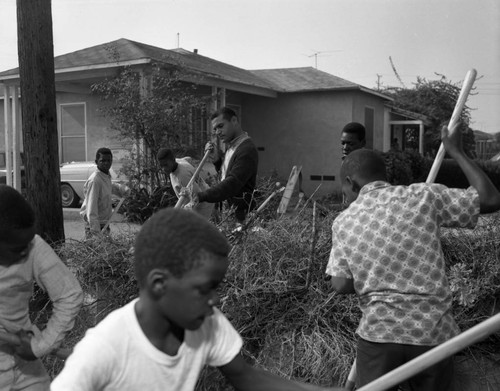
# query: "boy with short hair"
180, 171
161, 340
97, 206
26, 258
352, 138
386, 249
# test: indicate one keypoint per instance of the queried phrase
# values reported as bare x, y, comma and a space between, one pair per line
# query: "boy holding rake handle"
386, 249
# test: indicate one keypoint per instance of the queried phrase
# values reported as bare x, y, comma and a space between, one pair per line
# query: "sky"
351, 39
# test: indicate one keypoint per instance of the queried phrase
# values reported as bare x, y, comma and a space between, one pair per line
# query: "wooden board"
290, 186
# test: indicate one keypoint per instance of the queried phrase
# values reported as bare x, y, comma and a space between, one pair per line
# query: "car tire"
68, 196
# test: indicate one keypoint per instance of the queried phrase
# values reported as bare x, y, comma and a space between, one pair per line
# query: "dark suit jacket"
238, 186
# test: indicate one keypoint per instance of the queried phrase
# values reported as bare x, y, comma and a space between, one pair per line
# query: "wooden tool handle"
183, 199
351, 379
115, 211
455, 118
433, 356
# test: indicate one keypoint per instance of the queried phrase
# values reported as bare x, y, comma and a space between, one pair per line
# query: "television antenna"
323, 53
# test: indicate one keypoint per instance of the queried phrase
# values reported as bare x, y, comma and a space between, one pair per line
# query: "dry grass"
276, 296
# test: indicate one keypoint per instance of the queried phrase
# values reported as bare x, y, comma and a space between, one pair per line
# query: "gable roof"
126, 52
308, 79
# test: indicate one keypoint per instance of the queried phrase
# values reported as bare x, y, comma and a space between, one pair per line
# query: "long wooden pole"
433, 356
115, 211
183, 199
455, 119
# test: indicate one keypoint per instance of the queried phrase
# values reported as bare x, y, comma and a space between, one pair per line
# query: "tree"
168, 113
149, 109
39, 125
436, 99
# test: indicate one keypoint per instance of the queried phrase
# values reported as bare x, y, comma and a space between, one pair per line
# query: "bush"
405, 168
140, 204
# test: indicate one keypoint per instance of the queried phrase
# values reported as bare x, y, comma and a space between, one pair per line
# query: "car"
73, 177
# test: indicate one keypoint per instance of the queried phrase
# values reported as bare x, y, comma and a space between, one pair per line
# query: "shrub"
405, 167
140, 204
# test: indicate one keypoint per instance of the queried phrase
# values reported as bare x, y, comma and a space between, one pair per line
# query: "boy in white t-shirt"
162, 340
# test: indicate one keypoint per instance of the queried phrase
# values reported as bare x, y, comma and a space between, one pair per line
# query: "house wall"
361, 101
304, 129
98, 131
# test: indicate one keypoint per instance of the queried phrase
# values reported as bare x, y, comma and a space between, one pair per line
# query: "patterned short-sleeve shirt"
387, 241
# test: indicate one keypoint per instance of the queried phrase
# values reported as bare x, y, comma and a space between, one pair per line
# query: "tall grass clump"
104, 268
276, 296
473, 260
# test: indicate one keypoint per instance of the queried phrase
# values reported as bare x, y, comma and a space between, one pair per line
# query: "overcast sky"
352, 39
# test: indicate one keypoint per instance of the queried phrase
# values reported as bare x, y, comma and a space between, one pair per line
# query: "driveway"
74, 227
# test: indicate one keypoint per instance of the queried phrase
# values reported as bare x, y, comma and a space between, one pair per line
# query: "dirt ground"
74, 226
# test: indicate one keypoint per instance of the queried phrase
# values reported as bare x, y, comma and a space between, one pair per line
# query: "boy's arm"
93, 205
64, 292
489, 196
337, 269
244, 377
342, 285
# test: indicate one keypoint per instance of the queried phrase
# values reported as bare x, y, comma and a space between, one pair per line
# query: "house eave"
231, 85
336, 89
83, 72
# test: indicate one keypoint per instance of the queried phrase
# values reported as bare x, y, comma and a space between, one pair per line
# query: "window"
73, 129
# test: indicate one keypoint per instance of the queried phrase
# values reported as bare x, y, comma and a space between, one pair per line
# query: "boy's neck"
164, 335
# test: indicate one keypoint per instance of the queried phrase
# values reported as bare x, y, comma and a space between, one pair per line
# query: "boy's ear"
157, 281
353, 184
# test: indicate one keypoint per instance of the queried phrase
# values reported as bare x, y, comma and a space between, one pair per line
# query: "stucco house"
294, 115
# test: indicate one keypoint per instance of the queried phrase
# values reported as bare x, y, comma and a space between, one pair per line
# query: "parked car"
73, 177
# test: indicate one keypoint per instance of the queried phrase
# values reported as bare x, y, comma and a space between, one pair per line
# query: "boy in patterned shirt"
386, 249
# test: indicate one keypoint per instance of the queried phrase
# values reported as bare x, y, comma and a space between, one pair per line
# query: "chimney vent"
195, 51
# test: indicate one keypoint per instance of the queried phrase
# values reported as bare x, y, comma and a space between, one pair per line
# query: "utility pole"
378, 81
178, 40
39, 114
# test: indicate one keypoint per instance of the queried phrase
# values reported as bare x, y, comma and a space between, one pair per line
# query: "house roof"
411, 115
308, 79
126, 52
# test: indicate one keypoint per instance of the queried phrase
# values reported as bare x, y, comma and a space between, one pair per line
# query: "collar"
238, 140
374, 186
102, 172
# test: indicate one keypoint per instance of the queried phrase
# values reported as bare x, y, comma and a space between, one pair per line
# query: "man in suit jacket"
237, 168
